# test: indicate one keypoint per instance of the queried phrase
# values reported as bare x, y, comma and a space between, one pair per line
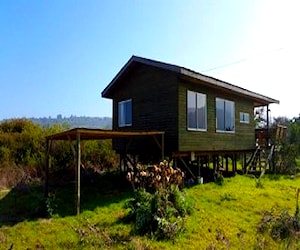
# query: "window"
244, 117
125, 113
224, 115
196, 111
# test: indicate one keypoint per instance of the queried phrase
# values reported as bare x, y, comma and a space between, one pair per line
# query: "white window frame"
224, 117
198, 98
123, 120
244, 117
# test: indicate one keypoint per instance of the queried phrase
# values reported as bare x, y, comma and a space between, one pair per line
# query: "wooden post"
199, 167
78, 174
120, 163
268, 127
48, 165
244, 163
226, 163
234, 163
186, 166
215, 164
163, 146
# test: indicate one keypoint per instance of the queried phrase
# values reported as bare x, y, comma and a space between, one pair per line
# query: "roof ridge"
189, 73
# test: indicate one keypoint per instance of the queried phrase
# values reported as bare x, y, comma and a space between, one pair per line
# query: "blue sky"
57, 56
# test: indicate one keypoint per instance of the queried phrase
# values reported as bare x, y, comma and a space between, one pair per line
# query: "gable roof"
258, 99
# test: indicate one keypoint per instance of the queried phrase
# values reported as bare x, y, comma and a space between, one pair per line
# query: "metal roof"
184, 72
99, 134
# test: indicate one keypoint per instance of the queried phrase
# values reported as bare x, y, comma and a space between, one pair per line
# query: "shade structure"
80, 134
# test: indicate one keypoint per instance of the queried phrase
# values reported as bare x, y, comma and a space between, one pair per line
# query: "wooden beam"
163, 146
199, 167
226, 163
132, 162
244, 163
186, 166
78, 174
268, 127
157, 142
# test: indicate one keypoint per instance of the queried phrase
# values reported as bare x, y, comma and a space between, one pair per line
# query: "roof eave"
263, 100
106, 93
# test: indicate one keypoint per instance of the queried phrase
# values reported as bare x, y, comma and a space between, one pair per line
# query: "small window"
244, 117
224, 115
196, 111
125, 113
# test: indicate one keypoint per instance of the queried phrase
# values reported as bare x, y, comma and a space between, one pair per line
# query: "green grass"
224, 217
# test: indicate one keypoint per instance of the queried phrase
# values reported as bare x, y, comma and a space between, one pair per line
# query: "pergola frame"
80, 134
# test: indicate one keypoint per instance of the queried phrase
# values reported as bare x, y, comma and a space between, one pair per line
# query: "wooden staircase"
264, 157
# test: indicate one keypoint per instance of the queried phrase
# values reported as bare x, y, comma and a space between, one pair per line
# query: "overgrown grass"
224, 217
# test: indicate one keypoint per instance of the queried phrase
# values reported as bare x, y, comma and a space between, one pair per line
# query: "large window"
196, 111
224, 115
125, 113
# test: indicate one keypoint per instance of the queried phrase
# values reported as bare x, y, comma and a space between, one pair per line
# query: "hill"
224, 217
75, 121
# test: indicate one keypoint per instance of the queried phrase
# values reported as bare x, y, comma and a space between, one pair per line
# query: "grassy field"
224, 217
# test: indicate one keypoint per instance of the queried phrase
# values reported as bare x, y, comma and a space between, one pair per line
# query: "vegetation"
158, 207
289, 149
23, 149
228, 214
282, 226
224, 217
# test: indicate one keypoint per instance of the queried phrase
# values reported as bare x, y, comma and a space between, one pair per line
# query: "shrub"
50, 204
160, 214
286, 159
158, 207
219, 179
281, 226
156, 176
99, 155
23, 151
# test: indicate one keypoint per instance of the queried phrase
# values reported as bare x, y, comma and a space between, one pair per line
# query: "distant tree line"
75, 121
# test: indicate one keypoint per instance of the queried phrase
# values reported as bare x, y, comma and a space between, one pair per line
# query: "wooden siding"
159, 103
242, 139
154, 104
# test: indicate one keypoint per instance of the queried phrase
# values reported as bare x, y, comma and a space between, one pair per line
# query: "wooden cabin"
199, 114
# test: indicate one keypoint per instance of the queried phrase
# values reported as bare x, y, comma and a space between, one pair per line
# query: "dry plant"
157, 176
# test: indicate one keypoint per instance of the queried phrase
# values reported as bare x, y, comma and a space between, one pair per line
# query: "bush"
21, 142
219, 179
23, 152
158, 207
99, 155
281, 226
160, 214
286, 159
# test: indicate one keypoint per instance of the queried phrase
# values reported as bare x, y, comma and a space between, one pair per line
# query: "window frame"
243, 116
197, 95
124, 123
224, 115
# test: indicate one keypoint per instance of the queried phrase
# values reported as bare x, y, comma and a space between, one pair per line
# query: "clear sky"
57, 56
